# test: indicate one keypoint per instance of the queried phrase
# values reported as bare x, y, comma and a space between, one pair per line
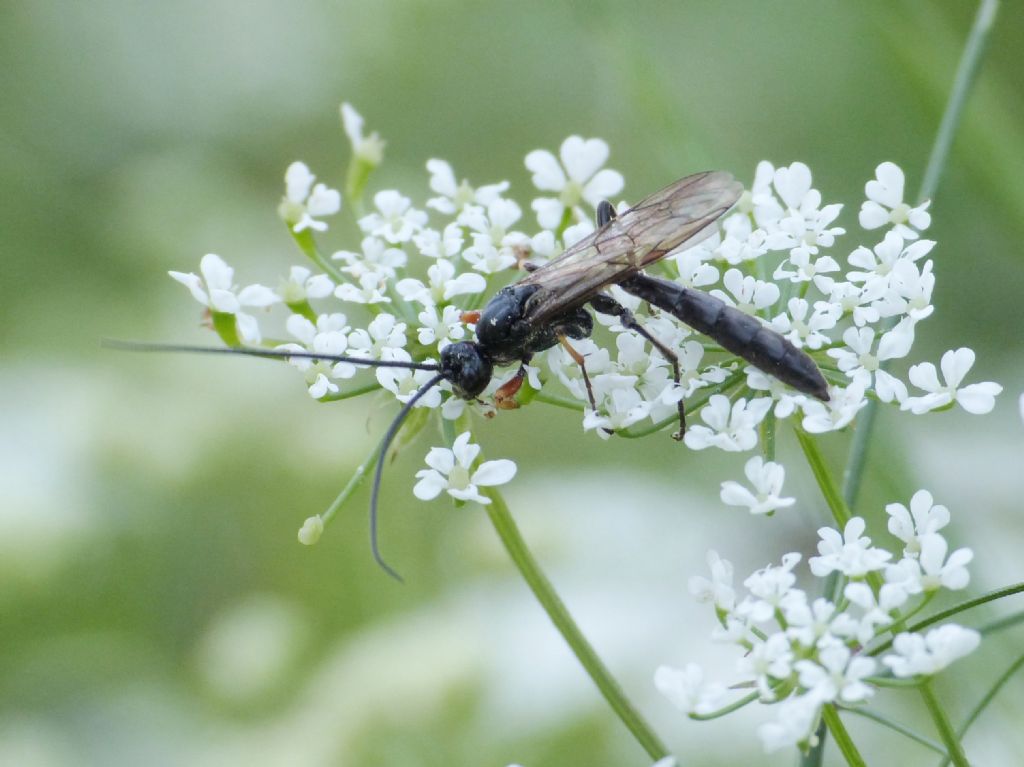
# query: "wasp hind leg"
605, 304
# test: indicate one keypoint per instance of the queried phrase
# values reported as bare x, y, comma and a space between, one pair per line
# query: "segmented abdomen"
741, 334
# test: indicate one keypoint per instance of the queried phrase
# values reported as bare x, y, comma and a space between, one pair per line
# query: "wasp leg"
578, 359
605, 304
505, 396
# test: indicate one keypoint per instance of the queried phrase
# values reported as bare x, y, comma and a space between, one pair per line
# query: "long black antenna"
281, 354
378, 472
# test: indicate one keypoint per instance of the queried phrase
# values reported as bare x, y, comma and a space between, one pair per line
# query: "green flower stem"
358, 392
942, 724
836, 504
545, 593
986, 699
735, 706
1001, 624
307, 245
842, 738
970, 61
564, 402
897, 727
357, 479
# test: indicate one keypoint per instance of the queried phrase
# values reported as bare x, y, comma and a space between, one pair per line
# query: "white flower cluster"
401, 295
802, 654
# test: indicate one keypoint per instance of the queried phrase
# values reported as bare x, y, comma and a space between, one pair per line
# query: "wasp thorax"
501, 329
466, 367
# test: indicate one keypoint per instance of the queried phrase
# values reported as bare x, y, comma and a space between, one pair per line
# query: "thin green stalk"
350, 487
985, 700
970, 61
545, 593
943, 725
307, 245
844, 742
563, 402
836, 504
734, 706
897, 727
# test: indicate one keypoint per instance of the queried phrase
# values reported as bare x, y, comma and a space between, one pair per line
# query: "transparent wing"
682, 212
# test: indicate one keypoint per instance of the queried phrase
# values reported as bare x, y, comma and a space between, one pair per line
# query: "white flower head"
977, 398
303, 202
440, 327
885, 205
688, 690
328, 336
769, 587
766, 477
377, 257
369, 149
811, 331
455, 195
452, 471
302, 285
850, 553
795, 721
215, 290
731, 427
923, 518
931, 570
837, 675
383, 335
578, 178
718, 588
443, 285
395, 219
370, 289
748, 294
914, 654
838, 412
405, 383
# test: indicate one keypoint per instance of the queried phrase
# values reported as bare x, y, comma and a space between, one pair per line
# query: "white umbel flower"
215, 290
885, 204
578, 178
915, 654
766, 477
452, 471
303, 202
977, 398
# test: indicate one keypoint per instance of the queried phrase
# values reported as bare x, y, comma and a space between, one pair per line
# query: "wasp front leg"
505, 396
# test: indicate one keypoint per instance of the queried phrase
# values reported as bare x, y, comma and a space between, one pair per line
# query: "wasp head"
467, 368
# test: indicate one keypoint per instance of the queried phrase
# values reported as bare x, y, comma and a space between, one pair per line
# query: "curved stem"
734, 706
867, 713
545, 593
942, 724
985, 700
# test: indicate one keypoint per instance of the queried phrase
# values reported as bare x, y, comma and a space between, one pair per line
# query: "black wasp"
549, 306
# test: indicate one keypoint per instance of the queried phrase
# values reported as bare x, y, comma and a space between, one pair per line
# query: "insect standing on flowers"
549, 306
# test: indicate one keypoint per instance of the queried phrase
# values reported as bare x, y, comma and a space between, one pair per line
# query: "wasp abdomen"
737, 332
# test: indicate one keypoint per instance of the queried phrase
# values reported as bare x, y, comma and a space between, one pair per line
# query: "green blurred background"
155, 607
